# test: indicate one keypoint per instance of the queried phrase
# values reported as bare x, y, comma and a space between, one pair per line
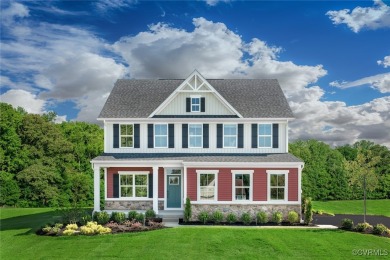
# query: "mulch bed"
336, 220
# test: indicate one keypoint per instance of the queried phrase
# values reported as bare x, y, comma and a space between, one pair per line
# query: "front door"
174, 191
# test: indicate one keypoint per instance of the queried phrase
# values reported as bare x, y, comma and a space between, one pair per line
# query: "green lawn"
374, 207
18, 241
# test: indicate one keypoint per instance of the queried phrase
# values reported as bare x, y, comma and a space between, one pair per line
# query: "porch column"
96, 188
155, 189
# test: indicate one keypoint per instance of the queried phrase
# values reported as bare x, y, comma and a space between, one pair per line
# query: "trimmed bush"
93, 228
308, 211
379, 229
132, 215
246, 218
217, 217
140, 217
346, 224
187, 210
101, 217
231, 218
293, 217
262, 217
277, 217
150, 214
203, 217
69, 232
85, 219
363, 227
71, 227
118, 217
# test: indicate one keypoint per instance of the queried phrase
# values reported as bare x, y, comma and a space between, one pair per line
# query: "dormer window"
195, 104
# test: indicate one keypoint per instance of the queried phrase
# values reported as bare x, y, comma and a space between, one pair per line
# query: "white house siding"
108, 139
213, 106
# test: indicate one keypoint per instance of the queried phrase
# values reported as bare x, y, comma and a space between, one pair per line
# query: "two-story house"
223, 143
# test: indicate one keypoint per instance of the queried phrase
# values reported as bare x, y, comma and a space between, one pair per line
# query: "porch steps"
170, 217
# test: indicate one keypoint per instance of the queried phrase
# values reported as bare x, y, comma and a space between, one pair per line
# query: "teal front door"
173, 191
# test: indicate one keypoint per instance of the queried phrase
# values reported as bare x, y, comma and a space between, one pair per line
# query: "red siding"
225, 184
191, 184
112, 170
161, 182
293, 185
260, 185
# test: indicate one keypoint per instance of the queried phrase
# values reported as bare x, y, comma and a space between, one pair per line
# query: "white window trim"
250, 172
154, 135
259, 135
120, 136
285, 172
134, 173
201, 137
197, 96
223, 136
198, 173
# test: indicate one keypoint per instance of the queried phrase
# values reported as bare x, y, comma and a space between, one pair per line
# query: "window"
242, 185
277, 186
207, 185
161, 135
195, 135
230, 136
134, 185
265, 135
126, 136
195, 104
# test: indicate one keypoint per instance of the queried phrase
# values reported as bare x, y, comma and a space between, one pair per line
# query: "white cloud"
215, 2
385, 62
380, 82
27, 100
107, 5
12, 12
359, 18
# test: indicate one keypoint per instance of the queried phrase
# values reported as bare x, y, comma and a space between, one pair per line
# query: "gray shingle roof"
201, 157
252, 98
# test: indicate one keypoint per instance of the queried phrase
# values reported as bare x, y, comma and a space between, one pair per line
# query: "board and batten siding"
213, 106
108, 141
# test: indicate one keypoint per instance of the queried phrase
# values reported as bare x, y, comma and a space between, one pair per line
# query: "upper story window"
242, 184
126, 136
161, 136
277, 186
195, 135
133, 185
230, 136
195, 104
265, 135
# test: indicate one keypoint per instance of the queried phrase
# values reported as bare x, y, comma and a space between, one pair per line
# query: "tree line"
43, 164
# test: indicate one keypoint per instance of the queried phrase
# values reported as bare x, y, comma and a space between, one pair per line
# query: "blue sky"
332, 58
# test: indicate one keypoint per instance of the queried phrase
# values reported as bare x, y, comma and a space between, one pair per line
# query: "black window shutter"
116, 136
150, 136
136, 136
150, 185
240, 138
184, 136
171, 136
275, 135
219, 135
254, 135
115, 181
188, 104
202, 104
205, 135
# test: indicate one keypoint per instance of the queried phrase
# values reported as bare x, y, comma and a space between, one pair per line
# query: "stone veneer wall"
128, 205
239, 209
160, 205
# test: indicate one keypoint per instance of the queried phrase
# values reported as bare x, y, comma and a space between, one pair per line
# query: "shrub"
187, 210
150, 214
308, 211
140, 217
246, 218
217, 217
293, 217
363, 227
136, 225
277, 217
71, 215
346, 224
101, 217
69, 232
132, 215
231, 218
203, 217
154, 224
85, 219
118, 217
379, 229
71, 227
262, 217
52, 230
93, 228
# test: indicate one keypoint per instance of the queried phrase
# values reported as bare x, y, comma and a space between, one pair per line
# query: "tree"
362, 172
9, 189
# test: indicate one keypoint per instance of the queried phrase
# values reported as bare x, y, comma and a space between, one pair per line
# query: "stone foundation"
239, 209
161, 205
128, 205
